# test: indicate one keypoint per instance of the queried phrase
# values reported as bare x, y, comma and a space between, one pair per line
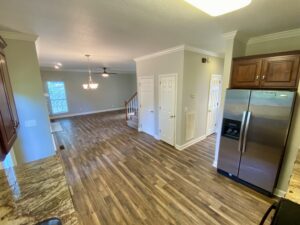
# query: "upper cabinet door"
8, 86
7, 123
280, 72
246, 73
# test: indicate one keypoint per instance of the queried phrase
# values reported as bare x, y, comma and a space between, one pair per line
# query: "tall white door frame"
146, 109
214, 99
173, 115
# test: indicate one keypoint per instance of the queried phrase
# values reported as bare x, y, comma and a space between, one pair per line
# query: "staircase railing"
131, 106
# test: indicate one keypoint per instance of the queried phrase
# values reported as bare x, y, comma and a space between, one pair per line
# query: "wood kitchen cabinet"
8, 114
245, 73
274, 71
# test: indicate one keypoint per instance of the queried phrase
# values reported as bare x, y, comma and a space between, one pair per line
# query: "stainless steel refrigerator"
254, 134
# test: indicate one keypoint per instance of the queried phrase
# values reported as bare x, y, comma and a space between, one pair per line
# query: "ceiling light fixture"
105, 75
90, 85
218, 7
57, 66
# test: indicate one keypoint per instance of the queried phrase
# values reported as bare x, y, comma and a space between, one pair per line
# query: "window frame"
49, 97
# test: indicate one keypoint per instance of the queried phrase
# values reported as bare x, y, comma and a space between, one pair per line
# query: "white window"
57, 97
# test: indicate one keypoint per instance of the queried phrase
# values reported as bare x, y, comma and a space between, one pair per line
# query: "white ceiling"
116, 31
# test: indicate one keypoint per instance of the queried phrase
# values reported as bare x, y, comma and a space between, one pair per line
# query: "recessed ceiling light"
218, 7
59, 64
56, 67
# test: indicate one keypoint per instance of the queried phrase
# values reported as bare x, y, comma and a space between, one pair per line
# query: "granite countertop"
293, 192
36, 191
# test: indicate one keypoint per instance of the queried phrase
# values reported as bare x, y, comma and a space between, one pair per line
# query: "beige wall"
236, 48
195, 94
192, 86
111, 93
34, 138
165, 64
284, 44
278, 45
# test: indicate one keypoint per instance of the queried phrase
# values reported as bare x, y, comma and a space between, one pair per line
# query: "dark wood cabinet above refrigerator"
8, 114
272, 71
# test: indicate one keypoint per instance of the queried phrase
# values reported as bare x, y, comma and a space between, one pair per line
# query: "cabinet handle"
263, 77
257, 77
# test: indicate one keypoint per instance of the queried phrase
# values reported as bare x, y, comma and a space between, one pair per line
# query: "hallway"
119, 176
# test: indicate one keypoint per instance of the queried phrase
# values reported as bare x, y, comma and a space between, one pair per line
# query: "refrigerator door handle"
246, 132
242, 131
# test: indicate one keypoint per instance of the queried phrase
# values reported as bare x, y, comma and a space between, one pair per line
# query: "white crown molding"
18, 36
201, 51
230, 35
51, 69
178, 49
160, 53
275, 36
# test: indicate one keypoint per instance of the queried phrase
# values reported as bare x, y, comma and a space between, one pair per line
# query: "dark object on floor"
286, 213
52, 221
61, 147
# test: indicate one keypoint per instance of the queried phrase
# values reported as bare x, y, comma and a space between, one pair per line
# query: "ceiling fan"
104, 73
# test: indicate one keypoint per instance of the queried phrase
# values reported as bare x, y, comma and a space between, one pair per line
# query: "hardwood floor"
119, 176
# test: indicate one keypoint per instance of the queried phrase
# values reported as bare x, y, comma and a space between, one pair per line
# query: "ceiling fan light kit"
105, 75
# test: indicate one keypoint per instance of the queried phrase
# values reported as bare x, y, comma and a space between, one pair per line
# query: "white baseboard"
85, 113
279, 193
215, 164
189, 143
156, 137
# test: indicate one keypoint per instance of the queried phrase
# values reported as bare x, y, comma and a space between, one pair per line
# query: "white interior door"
214, 103
146, 100
167, 108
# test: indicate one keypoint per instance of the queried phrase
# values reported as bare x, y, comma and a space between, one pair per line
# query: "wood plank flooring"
119, 176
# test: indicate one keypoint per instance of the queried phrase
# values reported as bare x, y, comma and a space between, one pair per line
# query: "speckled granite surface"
34, 192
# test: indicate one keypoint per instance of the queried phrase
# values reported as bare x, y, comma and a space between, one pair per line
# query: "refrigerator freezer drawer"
229, 156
